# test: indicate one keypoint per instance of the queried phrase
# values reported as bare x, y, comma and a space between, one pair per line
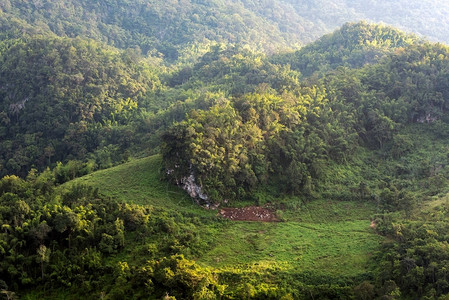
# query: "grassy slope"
326, 237
139, 181
333, 239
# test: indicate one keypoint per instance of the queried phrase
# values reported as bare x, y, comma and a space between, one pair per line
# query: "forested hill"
286, 136
175, 29
349, 131
63, 98
352, 46
77, 99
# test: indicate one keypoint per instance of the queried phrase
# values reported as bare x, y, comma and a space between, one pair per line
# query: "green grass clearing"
139, 181
326, 237
341, 248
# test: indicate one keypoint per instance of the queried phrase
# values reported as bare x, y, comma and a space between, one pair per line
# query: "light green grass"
139, 181
328, 237
340, 248
321, 236
331, 211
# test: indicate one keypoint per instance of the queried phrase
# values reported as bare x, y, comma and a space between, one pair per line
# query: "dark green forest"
129, 129
180, 30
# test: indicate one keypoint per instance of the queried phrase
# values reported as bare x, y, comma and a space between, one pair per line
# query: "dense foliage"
235, 71
234, 147
352, 46
414, 262
66, 98
360, 116
176, 29
54, 240
278, 136
77, 99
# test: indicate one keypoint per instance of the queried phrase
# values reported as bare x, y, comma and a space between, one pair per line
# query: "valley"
224, 149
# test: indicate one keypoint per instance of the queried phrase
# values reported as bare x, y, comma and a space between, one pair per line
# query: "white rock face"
194, 190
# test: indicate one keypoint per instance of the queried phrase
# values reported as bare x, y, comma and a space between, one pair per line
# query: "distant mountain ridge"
353, 45
174, 28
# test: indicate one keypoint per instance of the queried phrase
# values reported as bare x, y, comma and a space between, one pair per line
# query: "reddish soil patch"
250, 213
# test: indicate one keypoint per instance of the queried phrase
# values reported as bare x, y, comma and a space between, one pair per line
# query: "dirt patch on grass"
250, 213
